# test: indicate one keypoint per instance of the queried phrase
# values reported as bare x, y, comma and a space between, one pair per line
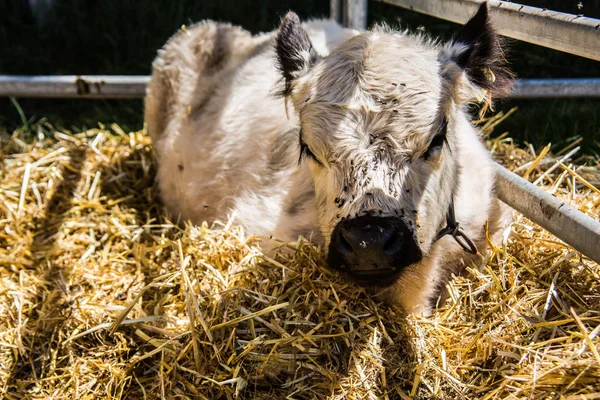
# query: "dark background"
122, 36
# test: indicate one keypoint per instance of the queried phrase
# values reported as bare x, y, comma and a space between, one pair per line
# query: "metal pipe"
74, 86
134, 86
335, 11
356, 14
556, 88
570, 33
349, 13
551, 213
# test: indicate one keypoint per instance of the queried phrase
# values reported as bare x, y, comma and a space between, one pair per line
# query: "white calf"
359, 141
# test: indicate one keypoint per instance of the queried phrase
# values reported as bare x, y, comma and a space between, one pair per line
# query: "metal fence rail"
569, 33
552, 214
556, 88
134, 86
73, 86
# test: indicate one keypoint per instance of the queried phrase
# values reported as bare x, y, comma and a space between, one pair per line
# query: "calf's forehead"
378, 63
391, 80
376, 71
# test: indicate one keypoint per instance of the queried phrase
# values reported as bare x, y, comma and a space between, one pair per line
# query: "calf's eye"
305, 152
437, 143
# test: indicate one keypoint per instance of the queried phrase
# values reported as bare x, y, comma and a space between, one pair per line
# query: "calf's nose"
372, 250
367, 242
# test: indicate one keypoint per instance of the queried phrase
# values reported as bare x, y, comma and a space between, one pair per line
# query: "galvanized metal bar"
349, 13
335, 10
74, 86
355, 14
556, 88
569, 33
134, 86
551, 213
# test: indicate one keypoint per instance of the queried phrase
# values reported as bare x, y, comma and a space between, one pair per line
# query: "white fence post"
349, 13
335, 10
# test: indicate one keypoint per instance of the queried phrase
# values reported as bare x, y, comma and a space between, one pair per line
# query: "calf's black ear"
479, 53
294, 50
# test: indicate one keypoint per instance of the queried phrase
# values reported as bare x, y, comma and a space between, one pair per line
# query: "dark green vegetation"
121, 37
112, 37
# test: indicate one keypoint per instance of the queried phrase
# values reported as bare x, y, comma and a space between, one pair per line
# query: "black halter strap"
453, 228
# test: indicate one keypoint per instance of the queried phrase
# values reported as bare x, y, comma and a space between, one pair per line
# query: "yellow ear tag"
489, 74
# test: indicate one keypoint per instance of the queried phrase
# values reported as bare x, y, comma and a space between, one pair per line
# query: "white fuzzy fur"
216, 128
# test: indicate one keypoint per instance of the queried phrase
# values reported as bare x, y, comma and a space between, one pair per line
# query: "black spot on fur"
484, 61
294, 51
180, 167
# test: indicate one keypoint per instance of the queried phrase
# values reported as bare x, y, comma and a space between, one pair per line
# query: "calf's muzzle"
372, 250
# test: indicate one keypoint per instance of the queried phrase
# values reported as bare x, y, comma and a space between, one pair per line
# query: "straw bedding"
101, 296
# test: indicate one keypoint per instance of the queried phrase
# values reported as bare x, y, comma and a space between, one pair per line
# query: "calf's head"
378, 130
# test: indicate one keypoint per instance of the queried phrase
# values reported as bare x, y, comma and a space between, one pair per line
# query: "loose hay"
101, 296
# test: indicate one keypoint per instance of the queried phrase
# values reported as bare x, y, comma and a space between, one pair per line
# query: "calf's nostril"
344, 245
393, 245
